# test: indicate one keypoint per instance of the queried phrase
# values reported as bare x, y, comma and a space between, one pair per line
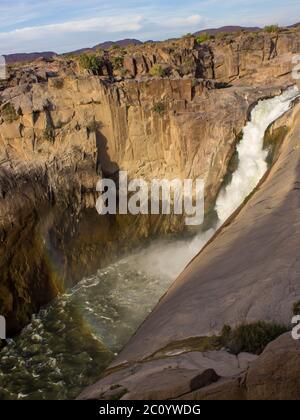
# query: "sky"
65, 25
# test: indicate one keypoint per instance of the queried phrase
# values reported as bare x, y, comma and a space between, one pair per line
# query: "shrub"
203, 38
69, 56
296, 308
188, 66
158, 71
118, 62
221, 35
8, 113
271, 28
93, 126
195, 83
124, 72
91, 63
49, 134
57, 83
159, 108
188, 35
251, 338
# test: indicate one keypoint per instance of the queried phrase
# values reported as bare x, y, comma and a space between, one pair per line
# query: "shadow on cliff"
105, 166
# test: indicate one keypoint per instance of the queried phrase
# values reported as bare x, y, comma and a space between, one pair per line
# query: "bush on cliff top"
118, 62
203, 38
188, 35
271, 28
91, 63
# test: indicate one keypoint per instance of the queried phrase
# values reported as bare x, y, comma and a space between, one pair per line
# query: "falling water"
252, 157
70, 342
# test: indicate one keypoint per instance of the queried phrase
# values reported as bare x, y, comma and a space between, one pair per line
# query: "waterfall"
170, 259
252, 157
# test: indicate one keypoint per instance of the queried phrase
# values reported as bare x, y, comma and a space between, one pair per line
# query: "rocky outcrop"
272, 376
168, 378
226, 58
214, 375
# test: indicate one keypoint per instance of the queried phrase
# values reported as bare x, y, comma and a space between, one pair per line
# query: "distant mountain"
214, 31
295, 25
22, 57
123, 43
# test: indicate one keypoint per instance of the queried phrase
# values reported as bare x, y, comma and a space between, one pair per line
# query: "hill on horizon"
23, 57
214, 31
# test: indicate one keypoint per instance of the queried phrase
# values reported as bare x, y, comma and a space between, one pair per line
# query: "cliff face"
62, 129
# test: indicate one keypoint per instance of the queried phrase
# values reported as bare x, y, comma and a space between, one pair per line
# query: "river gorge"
119, 299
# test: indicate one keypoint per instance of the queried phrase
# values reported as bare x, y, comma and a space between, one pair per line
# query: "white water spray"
252, 158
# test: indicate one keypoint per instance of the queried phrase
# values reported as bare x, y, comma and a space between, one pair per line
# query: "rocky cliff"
62, 128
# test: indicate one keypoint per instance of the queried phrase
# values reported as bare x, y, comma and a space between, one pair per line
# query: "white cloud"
192, 21
15, 39
103, 24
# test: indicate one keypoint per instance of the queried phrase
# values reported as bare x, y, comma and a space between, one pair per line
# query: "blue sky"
65, 25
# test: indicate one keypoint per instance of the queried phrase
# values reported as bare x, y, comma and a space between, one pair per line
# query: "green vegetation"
188, 35
271, 28
8, 113
254, 35
159, 108
158, 71
118, 62
251, 338
203, 38
57, 83
195, 82
93, 126
91, 63
69, 56
49, 134
296, 308
188, 66
221, 35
